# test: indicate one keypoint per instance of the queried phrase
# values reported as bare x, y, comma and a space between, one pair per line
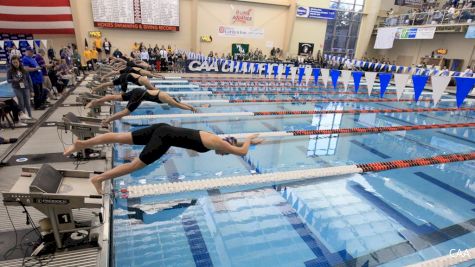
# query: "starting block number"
64, 218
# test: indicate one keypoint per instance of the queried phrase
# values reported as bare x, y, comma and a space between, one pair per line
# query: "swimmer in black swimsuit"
135, 98
132, 69
124, 79
157, 139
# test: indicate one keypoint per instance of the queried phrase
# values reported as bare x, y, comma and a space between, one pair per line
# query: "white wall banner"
385, 38
370, 78
242, 15
439, 84
241, 31
416, 33
244, 67
345, 78
400, 79
325, 76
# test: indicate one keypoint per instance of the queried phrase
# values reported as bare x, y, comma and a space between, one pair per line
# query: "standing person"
107, 47
14, 52
98, 45
51, 54
144, 56
22, 86
468, 72
77, 62
34, 69
88, 58
94, 54
39, 57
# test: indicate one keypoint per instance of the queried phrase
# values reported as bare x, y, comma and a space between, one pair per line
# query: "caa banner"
230, 66
315, 13
241, 31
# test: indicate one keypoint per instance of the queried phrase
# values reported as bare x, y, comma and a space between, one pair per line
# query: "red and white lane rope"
279, 177
303, 112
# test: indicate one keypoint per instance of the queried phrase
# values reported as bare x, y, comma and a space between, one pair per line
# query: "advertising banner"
241, 31
416, 33
315, 13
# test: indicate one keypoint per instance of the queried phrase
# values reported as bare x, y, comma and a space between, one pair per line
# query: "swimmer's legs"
116, 172
100, 101
146, 82
108, 138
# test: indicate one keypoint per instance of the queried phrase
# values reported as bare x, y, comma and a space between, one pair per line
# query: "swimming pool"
388, 218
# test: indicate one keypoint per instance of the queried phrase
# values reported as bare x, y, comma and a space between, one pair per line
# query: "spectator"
34, 69
98, 45
94, 54
14, 52
77, 63
107, 47
39, 57
144, 56
51, 54
444, 71
22, 86
88, 57
117, 53
468, 72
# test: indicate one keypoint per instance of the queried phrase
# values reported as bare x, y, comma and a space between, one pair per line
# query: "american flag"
36, 16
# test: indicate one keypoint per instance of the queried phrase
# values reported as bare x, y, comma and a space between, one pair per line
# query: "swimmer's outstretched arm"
214, 142
110, 74
166, 98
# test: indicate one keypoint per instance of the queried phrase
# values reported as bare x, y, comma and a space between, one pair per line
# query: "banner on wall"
415, 33
470, 32
315, 13
242, 15
385, 38
306, 49
239, 49
241, 31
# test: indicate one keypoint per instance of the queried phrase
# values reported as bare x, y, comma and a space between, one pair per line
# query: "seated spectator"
468, 72
11, 106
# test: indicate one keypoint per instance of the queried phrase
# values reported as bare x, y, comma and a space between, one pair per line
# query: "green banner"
240, 49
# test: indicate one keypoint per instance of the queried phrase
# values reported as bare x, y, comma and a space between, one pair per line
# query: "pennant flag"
316, 73
287, 71
401, 80
266, 70
301, 73
419, 85
16, 43
357, 79
276, 70
439, 84
30, 43
38, 43
335, 74
252, 68
308, 75
325, 76
256, 68
293, 72
249, 65
281, 69
1, 44
345, 76
384, 79
464, 86
370, 78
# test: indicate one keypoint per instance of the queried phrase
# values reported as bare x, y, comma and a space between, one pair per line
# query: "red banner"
136, 26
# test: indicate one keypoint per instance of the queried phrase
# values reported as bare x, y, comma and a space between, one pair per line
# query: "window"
342, 32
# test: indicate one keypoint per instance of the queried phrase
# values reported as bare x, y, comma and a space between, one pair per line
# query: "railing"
437, 17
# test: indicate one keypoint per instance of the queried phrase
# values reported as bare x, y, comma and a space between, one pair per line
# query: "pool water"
389, 218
